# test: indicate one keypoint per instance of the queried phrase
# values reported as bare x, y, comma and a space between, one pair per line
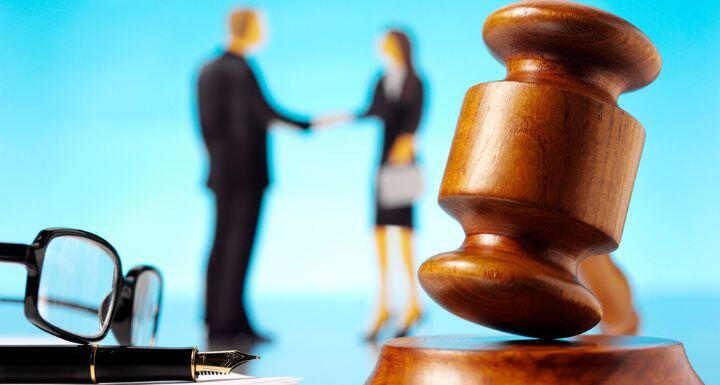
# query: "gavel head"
541, 168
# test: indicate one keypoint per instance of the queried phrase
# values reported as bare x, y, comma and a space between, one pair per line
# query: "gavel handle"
605, 279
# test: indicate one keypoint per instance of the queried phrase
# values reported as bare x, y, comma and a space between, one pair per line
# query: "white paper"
230, 379
239, 379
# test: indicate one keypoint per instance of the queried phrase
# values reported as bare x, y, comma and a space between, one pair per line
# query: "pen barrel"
45, 364
94, 364
133, 364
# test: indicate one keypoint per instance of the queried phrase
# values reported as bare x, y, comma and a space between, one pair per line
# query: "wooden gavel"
541, 168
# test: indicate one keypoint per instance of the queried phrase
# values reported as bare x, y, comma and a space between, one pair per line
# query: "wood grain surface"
541, 168
583, 360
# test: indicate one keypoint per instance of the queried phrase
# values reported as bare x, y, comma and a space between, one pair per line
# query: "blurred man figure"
235, 117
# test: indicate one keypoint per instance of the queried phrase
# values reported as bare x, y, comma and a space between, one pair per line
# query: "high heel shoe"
382, 319
412, 320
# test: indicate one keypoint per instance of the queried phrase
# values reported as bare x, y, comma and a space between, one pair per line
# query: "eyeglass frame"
121, 321
32, 257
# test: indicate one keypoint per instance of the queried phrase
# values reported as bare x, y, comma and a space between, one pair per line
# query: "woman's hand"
403, 150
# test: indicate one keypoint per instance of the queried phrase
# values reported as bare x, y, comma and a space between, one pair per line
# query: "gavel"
541, 168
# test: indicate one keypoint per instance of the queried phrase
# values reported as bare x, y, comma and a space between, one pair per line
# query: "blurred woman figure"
397, 100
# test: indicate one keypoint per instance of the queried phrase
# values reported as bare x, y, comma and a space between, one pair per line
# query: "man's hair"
240, 20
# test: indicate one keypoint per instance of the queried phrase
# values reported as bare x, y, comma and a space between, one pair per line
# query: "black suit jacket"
400, 115
235, 116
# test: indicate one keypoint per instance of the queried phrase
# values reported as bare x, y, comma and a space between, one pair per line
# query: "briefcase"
399, 186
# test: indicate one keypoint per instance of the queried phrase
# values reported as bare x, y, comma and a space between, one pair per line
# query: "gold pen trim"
193, 366
92, 364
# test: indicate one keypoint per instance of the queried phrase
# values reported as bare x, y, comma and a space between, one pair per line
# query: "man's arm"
263, 111
210, 98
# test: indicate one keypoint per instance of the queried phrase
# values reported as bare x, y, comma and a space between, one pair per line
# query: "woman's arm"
377, 108
378, 105
403, 150
416, 103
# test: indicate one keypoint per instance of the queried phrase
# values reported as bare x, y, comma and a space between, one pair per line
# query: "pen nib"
220, 362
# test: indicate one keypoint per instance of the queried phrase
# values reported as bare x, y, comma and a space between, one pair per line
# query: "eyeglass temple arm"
52, 301
14, 253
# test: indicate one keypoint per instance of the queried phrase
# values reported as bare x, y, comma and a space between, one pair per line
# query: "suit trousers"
238, 212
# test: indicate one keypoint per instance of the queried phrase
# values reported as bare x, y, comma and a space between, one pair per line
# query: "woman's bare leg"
413, 312
382, 314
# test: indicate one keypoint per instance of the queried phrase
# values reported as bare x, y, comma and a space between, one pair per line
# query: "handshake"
326, 121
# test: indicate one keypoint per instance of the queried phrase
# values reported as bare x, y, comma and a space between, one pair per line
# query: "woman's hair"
403, 41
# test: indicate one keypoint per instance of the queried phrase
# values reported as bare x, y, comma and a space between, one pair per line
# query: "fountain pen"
92, 364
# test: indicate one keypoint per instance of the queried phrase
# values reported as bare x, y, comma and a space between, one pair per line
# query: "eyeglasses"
75, 289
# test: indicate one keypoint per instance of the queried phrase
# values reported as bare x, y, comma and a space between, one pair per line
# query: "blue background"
98, 132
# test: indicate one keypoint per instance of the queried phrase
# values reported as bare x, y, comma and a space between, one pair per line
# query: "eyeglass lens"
77, 277
146, 306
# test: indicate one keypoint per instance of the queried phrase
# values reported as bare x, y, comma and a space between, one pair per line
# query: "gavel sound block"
540, 175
